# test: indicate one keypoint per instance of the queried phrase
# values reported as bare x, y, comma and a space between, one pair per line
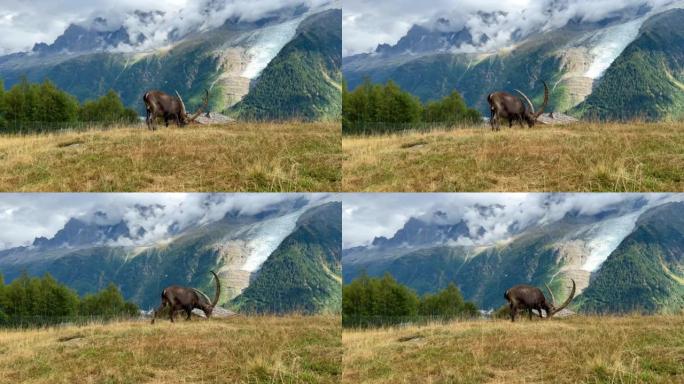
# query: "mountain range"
625, 258
246, 249
627, 65
244, 64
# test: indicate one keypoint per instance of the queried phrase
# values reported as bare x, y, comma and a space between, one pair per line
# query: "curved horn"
567, 301
204, 295
218, 289
201, 109
182, 103
546, 101
553, 299
527, 99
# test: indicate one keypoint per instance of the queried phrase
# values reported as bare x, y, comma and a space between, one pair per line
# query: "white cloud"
25, 216
24, 23
367, 24
366, 216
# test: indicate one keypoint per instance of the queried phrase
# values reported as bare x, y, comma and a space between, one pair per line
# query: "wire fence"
379, 128
40, 321
393, 321
23, 128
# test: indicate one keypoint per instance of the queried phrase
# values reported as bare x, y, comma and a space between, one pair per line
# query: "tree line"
384, 108
372, 301
26, 104
43, 300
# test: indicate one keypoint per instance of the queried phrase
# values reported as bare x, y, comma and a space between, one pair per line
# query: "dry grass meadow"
292, 349
582, 349
571, 158
263, 157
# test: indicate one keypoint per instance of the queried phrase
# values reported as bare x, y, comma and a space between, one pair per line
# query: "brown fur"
503, 105
179, 298
529, 298
160, 104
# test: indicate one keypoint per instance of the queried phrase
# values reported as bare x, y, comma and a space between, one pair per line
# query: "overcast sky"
368, 215
368, 23
25, 216
24, 23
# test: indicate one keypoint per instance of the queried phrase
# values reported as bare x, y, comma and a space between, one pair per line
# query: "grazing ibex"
184, 298
503, 105
529, 297
160, 104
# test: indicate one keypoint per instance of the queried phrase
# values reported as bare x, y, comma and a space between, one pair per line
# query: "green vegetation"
30, 301
303, 80
368, 301
647, 80
304, 273
375, 108
26, 106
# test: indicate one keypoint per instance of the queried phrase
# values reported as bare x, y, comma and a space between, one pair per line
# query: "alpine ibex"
160, 104
503, 105
184, 298
529, 297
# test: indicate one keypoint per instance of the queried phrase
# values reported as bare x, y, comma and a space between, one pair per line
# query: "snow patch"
610, 43
269, 41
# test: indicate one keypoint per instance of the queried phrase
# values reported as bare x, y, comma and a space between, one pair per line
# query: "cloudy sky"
24, 23
366, 215
25, 216
368, 23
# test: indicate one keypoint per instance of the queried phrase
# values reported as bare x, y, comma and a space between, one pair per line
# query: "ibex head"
530, 115
185, 118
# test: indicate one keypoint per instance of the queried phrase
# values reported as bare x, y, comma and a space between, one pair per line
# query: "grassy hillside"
236, 157
581, 157
575, 350
304, 80
292, 349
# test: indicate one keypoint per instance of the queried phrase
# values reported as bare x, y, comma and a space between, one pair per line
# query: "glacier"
269, 41
609, 43
265, 237
605, 236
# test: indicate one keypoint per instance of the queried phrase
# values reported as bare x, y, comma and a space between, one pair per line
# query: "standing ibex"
529, 297
160, 104
185, 298
503, 105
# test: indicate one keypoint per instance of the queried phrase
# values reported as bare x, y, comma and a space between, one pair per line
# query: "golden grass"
578, 350
293, 349
580, 157
236, 157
